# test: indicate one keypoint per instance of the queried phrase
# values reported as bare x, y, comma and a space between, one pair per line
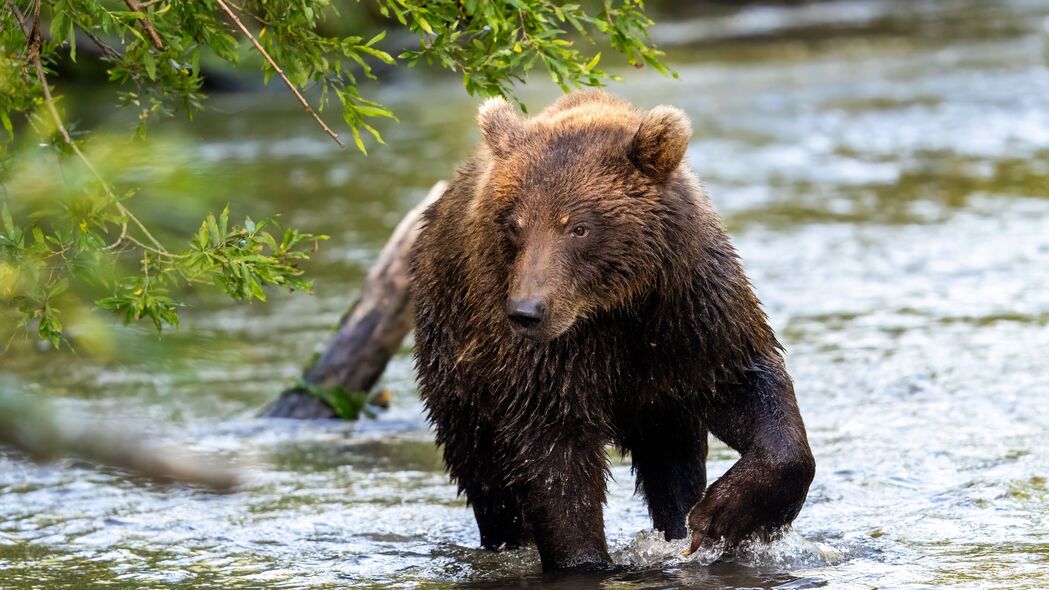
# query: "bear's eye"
580, 230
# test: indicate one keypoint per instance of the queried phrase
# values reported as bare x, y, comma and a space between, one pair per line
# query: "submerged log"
370, 333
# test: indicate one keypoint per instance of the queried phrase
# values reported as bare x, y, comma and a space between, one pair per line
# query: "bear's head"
574, 204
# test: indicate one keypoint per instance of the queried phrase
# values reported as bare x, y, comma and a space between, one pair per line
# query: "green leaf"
376, 39
357, 140
9, 222
224, 222
201, 239
213, 228
593, 63
58, 288
424, 24
150, 65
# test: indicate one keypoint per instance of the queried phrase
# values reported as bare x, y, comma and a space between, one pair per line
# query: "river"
883, 167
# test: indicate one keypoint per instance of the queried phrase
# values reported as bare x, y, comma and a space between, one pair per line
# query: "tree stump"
370, 333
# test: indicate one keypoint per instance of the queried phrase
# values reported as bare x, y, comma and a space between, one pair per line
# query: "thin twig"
102, 45
306, 105
160, 249
18, 17
120, 239
244, 12
146, 25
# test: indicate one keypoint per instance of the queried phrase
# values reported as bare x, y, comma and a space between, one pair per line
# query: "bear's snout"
526, 315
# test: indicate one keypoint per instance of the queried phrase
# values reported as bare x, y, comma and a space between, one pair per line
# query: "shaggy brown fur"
574, 288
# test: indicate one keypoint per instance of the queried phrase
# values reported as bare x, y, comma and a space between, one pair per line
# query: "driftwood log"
46, 432
370, 333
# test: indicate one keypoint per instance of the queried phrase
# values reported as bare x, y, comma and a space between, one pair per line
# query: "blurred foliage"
70, 238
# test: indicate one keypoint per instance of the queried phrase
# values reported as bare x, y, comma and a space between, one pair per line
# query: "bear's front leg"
565, 500
764, 491
668, 449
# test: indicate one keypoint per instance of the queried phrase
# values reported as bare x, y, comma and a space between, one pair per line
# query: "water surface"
884, 170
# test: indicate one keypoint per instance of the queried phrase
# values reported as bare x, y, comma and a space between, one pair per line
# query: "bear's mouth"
540, 331
532, 330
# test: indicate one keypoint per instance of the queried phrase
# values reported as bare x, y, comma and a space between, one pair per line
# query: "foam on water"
648, 549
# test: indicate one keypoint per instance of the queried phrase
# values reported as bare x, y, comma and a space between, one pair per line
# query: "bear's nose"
526, 313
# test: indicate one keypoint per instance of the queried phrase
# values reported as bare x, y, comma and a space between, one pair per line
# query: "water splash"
789, 551
648, 548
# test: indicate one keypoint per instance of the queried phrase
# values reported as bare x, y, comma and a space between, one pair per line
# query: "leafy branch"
238, 260
495, 44
262, 51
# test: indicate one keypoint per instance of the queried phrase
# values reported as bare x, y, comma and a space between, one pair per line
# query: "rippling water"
884, 169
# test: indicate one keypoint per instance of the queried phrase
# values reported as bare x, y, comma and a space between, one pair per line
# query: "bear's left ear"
660, 142
499, 125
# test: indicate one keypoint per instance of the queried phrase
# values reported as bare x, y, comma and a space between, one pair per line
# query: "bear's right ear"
500, 125
660, 142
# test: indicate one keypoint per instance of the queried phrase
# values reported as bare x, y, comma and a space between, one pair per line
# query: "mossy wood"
370, 333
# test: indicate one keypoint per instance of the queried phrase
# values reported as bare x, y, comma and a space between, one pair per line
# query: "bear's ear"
499, 124
660, 142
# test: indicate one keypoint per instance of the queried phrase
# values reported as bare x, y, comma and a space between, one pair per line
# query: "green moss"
348, 405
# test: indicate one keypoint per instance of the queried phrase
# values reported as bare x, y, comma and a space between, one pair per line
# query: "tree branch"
120, 239
146, 24
306, 105
102, 45
18, 17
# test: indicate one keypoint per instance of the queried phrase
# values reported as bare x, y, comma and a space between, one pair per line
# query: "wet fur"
667, 340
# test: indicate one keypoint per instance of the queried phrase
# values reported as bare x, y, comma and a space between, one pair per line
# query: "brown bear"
574, 288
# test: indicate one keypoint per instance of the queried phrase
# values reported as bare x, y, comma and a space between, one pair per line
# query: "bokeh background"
883, 167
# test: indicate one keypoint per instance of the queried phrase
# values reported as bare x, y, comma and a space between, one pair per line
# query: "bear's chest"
589, 373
